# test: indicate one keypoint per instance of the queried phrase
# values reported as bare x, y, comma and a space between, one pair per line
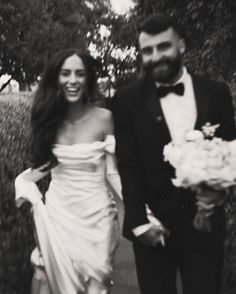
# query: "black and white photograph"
118, 147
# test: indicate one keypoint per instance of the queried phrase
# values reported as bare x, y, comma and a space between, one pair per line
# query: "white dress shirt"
180, 113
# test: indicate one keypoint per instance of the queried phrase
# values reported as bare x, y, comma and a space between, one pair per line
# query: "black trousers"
197, 255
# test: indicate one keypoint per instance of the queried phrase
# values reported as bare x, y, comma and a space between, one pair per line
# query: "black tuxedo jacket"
141, 134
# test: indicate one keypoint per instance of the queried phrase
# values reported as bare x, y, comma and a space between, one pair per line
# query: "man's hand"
154, 236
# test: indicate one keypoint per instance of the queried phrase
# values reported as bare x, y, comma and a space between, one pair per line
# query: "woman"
77, 228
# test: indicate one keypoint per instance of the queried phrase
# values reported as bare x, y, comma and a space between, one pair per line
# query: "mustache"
152, 65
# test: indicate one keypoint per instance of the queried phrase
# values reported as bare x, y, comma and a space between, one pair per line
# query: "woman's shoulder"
103, 120
102, 113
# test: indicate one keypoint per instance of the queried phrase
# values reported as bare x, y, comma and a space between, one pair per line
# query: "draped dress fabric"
77, 228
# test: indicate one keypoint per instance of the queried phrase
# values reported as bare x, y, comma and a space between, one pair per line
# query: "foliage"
32, 30
16, 226
209, 29
16, 231
229, 281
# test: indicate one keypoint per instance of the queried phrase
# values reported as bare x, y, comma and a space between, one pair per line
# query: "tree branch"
5, 84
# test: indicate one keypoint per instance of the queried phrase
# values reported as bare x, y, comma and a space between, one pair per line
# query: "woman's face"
72, 78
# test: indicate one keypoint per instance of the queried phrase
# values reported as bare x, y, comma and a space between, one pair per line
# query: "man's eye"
147, 51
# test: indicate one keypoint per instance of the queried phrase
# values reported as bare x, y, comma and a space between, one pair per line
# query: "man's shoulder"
132, 89
128, 95
208, 83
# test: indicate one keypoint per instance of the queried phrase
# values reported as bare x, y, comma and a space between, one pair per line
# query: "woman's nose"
72, 78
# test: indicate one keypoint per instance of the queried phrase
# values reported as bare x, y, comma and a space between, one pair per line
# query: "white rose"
187, 176
232, 164
232, 147
194, 135
172, 154
167, 151
196, 158
215, 162
227, 174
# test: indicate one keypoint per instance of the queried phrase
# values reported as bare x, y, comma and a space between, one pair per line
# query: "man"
148, 114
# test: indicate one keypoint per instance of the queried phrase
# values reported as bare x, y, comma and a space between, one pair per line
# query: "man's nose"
156, 55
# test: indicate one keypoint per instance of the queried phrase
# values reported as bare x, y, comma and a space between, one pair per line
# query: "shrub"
16, 229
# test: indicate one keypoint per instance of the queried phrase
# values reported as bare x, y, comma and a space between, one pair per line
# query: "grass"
16, 232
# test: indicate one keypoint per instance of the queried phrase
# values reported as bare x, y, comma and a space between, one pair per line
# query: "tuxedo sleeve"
227, 129
129, 163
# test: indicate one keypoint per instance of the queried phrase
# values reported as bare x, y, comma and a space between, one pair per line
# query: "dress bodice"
83, 156
79, 179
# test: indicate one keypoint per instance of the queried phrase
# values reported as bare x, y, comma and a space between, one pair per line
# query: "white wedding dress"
77, 227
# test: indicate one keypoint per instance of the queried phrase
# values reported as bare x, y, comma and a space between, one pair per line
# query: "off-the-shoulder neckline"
84, 143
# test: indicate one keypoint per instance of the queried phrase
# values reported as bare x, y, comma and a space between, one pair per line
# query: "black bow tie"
177, 89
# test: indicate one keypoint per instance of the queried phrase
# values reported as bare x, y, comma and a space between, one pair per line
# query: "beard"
165, 70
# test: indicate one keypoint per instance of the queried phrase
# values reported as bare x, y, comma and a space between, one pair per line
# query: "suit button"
159, 118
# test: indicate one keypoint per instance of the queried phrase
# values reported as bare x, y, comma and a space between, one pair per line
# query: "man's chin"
165, 79
159, 75
164, 73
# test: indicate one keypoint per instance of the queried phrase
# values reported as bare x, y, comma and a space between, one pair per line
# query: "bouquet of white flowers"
203, 163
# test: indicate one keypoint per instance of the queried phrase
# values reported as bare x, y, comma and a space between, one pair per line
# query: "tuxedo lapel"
202, 103
153, 105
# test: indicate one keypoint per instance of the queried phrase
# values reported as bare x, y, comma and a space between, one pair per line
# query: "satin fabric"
77, 227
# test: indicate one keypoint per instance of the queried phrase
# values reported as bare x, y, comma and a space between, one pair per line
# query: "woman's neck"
76, 111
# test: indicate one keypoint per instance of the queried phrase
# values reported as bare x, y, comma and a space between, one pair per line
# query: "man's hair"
158, 23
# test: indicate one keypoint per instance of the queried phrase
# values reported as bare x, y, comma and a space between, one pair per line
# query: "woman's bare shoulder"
103, 118
102, 113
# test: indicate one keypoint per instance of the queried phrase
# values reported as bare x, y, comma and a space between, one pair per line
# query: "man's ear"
182, 46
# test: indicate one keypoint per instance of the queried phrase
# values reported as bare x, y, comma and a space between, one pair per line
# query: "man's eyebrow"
164, 43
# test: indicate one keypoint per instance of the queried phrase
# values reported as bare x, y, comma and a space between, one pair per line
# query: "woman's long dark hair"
50, 106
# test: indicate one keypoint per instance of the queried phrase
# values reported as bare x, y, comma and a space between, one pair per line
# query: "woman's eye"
80, 74
65, 73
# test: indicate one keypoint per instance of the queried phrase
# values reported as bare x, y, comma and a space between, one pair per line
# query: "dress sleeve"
111, 167
55, 257
26, 188
112, 174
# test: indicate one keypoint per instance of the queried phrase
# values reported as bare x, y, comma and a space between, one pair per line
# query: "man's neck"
173, 81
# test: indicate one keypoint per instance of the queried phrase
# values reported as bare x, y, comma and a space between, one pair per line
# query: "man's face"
162, 55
